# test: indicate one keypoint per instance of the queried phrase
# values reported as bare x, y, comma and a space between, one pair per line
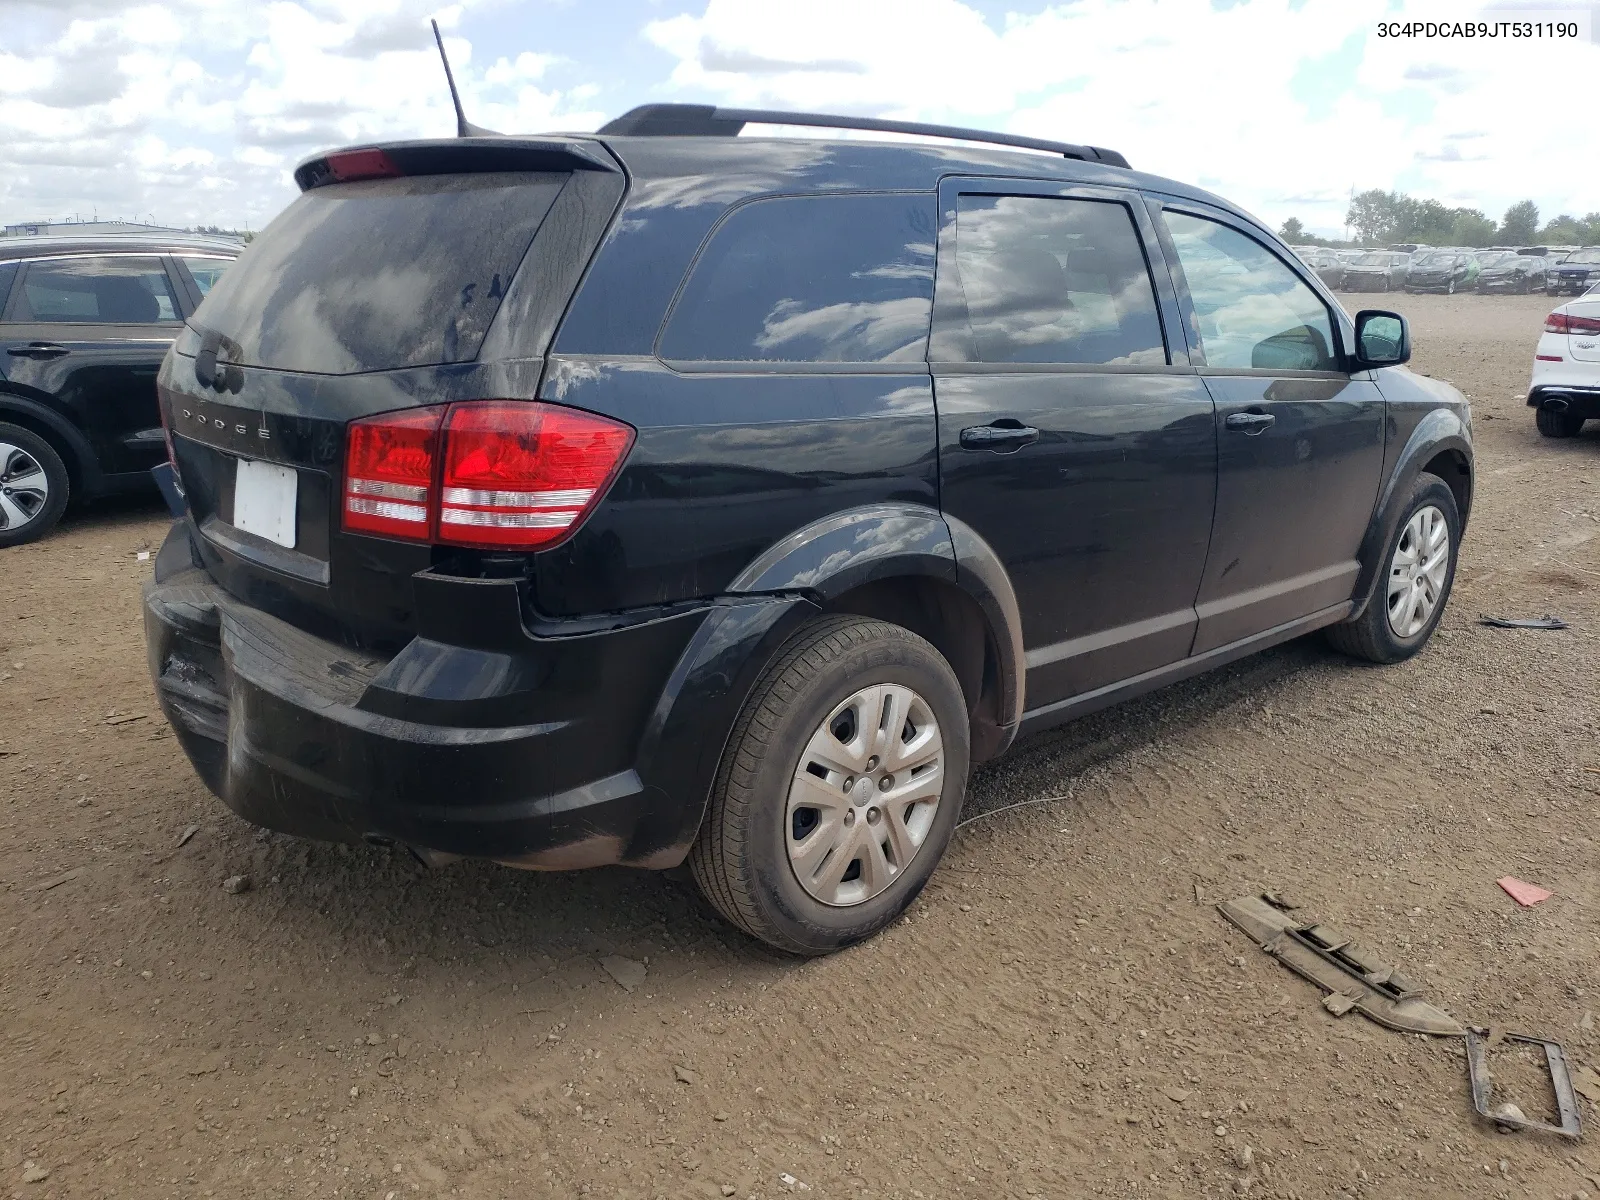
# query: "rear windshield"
381, 273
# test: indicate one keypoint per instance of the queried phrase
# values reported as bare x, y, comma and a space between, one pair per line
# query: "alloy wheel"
864, 794
1417, 571
24, 487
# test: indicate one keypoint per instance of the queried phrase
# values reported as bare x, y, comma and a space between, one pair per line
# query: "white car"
1565, 389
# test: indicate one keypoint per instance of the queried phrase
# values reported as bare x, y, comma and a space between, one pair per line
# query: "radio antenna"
464, 127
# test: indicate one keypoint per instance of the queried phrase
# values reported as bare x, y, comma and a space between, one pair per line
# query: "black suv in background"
84, 325
663, 495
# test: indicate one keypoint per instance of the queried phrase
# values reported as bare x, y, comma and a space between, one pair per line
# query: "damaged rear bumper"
552, 752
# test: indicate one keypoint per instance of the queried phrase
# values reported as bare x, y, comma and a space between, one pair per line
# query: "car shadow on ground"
432, 932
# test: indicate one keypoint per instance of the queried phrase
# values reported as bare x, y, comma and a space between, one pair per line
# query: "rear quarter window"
380, 274
833, 278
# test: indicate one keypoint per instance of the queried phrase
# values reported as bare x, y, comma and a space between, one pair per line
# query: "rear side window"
8, 275
206, 271
1254, 312
1054, 280
97, 291
811, 279
381, 273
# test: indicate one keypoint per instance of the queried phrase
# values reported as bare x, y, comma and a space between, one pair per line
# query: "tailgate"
1583, 340
404, 276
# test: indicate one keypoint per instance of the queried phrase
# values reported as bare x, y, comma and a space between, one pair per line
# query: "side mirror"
1383, 339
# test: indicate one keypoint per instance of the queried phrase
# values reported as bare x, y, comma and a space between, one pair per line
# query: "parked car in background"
84, 325
1441, 271
1407, 248
1574, 274
1330, 268
1564, 391
684, 513
1376, 271
1521, 273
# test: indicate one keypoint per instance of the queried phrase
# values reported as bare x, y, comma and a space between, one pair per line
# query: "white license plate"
264, 501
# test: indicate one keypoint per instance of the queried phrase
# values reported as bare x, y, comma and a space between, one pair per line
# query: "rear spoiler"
453, 156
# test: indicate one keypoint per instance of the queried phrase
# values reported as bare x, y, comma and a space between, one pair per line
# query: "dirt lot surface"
1062, 1014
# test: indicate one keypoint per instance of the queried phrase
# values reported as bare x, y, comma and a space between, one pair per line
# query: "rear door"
90, 331
1071, 438
1300, 439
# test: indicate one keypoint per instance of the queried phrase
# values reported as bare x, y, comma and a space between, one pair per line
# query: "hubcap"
864, 795
24, 488
1417, 572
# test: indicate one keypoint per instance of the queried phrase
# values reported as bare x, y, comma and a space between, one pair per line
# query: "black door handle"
1012, 435
1251, 423
37, 350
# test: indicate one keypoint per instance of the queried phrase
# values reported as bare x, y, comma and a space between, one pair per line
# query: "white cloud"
196, 111
1181, 88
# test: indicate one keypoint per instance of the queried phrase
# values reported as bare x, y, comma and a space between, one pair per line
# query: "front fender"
1441, 430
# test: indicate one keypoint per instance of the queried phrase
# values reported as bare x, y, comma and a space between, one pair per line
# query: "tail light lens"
1560, 322
522, 475
493, 474
389, 469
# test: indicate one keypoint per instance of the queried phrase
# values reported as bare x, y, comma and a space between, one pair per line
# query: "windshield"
1373, 260
1591, 255
1498, 259
1435, 259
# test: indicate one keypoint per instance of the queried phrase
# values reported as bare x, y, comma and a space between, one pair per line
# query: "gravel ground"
1062, 1014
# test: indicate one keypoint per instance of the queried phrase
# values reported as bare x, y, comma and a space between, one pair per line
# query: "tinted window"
811, 279
8, 274
206, 271
380, 273
1048, 280
1252, 309
127, 291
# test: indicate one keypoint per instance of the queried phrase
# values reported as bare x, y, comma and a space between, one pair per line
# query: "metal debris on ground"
1544, 622
1525, 894
1338, 965
1354, 978
1509, 1116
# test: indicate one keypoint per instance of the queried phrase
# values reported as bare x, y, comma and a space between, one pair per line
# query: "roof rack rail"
707, 120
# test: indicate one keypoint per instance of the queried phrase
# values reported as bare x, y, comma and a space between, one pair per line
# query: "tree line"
1380, 218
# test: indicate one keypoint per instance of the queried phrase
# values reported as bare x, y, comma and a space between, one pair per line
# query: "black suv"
663, 495
84, 325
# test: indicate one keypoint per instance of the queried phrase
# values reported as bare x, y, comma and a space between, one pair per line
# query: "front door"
1070, 438
89, 332
1299, 438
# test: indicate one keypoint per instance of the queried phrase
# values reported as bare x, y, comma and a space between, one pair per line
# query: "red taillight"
1560, 322
494, 474
389, 472
522, 475
361, 164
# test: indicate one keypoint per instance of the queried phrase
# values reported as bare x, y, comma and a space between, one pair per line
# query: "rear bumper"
548, 754
1576, 400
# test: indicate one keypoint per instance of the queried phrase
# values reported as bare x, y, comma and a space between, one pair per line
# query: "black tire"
740, 859
1371, 636
39, 521
1557, 424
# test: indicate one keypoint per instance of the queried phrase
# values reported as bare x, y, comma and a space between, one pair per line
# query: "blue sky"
195, 111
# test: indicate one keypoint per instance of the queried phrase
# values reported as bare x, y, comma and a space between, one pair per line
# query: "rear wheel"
839, 789
1410, 595
1557, 424
33, 486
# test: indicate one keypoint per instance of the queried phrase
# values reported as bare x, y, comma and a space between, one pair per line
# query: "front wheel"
839, 789
1410, 594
